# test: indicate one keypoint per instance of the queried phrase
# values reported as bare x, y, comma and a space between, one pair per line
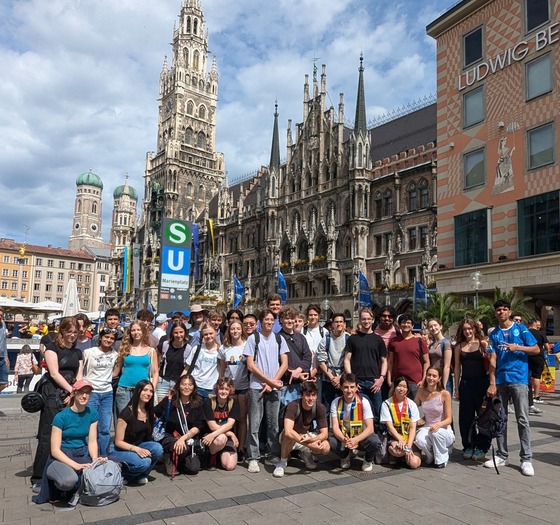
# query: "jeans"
204, 392
257, 402
289, 393
435, 444
163, 387
374, 399
122, 399
472, 392
518, 394
329, 394
370, 446
133, 466
23, 383
103, 403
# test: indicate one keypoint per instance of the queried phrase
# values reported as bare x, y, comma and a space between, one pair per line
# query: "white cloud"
79, 86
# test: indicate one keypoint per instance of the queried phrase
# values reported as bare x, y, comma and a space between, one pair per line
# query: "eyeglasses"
249, 324
83, 392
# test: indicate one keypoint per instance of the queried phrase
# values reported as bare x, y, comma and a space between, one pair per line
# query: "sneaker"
212, 463
479, 455
527, 468
36, 488
367, 466
142, 481
500, 462
307, 458
240, 457
273, 460
538, 400
253, 466
279, 471
510, 409
346, 462
535, 410
168, 464
468, 453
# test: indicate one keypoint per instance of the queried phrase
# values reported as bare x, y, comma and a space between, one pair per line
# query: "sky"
80, 84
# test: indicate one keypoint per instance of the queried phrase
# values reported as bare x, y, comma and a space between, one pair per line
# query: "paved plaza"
464, 492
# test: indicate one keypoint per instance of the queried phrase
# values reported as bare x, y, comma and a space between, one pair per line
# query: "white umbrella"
46, 306
12, 303
71, 301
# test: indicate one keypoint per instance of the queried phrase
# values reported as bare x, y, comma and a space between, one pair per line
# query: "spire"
275, 150
360, 122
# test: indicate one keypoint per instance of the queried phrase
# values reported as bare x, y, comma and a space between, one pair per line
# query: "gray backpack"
101, 484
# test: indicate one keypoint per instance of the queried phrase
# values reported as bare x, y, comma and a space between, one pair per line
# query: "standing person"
232, 365
436, 436
266, 362
112, 320
4, 361
162, 321
352, 425
202, 361
537, 362
386, 328
250, 323
197, 318
510, 345
73, 445
408, 356
316, 337
136, 361
83, 340
299, 358
366, 358
134, 446
440, 352
330, 358
147, 317
99, 366
47, 338
471, 384
216, 319
172, 360
400, 415
299, 322
274, 304
65, 367
184, 423
23, 369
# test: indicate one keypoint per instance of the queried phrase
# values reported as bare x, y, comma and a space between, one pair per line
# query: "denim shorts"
3, 372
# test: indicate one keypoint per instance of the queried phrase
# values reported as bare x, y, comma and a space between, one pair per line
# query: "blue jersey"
511, 367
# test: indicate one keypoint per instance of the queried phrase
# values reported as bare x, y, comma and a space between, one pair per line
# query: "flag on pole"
364, 295
420, 295
126, 270
196, 246
211, 229
238, 292
282, 287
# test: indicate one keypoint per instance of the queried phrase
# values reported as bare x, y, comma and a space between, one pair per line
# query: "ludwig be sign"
175, 265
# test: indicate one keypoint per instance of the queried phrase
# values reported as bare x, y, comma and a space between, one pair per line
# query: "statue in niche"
504, 168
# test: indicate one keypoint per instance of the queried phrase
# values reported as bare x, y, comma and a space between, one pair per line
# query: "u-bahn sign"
174, 266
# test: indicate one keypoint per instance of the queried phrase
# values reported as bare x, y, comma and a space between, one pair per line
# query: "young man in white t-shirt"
267, 361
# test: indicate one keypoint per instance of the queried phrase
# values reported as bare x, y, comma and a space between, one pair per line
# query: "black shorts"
536, 365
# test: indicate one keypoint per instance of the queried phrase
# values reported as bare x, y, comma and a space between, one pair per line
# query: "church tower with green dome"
123, 224
86, 223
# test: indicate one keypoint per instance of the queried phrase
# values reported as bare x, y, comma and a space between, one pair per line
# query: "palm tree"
443, 306
485, 310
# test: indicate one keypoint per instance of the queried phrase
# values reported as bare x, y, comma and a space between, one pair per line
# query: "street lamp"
476, 283
325, 305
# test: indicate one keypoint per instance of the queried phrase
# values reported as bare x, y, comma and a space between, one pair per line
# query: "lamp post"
476, 283
325, 305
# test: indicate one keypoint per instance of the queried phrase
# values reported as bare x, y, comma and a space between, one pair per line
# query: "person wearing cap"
161, 326
73, 446
197, 318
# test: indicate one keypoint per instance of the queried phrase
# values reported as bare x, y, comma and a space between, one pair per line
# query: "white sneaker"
279, 471
367, 466
535, 410
500, 462
527, 468
142, 481
346, 462
307, 457
253, 466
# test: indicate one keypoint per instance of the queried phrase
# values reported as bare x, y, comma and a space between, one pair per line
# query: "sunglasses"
106, 331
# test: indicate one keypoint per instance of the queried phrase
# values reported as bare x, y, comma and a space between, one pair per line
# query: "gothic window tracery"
201, 112
188, 136
190, 107
201, 140
388, 203
424, 193
412, 197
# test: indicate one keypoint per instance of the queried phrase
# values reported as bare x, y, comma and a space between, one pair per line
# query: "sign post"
174, 266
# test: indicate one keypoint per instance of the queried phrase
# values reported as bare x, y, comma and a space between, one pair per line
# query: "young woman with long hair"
65, 366
137, 361
440, 352
436, 435
205, 368
134, 446
184, 415
174, 353
471, 384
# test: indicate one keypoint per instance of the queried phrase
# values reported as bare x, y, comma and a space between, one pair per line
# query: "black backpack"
491, 421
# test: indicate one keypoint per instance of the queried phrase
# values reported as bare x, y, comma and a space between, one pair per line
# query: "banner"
196, 246
420, 295
136, 264
282, 287
364, 295
126, 270
174, 266
211, 230
238, 292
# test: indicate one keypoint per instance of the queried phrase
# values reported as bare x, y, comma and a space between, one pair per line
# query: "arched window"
303, 250
296, 223
412, 197
286, 254
189, 189
348, 248
201, 192
201, 112
94, 207
388, 203
196, 26
196, 57
79, 206
359, 164
321, 247
424, 193
188, 136
186, 56
273, 187
201, 140
190, 107
188, 24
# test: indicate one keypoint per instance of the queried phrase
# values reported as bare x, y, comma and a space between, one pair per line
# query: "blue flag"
364, 295
196, 246
238, 292
282, 287
420, 295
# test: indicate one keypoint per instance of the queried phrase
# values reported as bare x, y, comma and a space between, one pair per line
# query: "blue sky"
79, 86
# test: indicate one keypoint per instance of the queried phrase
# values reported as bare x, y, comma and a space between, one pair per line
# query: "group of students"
235, 390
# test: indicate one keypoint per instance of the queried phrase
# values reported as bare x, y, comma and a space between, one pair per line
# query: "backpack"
258, 340
101, 484
491, 422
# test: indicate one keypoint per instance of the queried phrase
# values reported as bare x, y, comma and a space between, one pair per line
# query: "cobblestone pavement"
464, 492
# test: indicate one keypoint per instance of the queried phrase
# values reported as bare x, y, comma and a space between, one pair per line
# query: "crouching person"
305, 429
134, 447
352, 425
